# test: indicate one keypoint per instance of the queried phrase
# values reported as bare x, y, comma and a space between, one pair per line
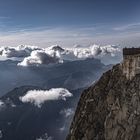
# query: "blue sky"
69, 22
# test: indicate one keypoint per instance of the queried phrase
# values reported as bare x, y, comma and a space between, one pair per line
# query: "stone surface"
131, 65
108, 110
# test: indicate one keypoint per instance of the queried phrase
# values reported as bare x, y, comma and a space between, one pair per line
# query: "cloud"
19, 51
108, 54
38, 57
38, 97
1, 103
44, 36
68, 36
8, 102
45, 137
102, 52
127, 27
67, 112
95, 51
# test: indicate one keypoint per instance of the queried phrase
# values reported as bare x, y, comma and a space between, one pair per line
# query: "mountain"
26, 121
57, 48
69, 74
109, 109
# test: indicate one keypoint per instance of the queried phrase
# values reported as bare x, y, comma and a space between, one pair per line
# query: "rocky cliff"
108, 110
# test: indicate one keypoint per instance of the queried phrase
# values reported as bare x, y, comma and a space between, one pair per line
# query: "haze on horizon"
69, 22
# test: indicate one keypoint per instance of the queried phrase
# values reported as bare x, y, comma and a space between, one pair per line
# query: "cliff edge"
108, 110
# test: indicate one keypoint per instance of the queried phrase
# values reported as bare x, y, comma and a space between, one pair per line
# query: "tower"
131, 62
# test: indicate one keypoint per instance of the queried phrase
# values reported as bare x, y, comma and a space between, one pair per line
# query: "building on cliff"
131, 62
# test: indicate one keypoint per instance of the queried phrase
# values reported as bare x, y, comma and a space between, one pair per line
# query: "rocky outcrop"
108, 110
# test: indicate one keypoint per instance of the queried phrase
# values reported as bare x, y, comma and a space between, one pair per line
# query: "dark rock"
108, 110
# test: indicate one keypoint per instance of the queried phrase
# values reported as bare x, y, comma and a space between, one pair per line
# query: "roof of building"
131, 51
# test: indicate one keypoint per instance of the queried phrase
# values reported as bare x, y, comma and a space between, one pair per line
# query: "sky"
69, 22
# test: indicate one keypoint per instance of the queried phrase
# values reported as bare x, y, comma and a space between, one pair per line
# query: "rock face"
108, 110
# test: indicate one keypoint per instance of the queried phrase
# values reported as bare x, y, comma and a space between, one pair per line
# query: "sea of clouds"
35, 56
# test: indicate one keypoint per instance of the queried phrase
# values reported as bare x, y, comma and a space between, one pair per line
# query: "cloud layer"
96, 51
35, 56
126, 35
38, 97
38, 57
19, 51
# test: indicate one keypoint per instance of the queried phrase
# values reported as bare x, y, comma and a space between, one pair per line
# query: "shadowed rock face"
108, 110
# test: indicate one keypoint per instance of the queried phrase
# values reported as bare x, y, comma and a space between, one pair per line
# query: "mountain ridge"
109, 109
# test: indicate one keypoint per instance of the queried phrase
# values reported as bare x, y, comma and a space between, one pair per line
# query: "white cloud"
19, 51
45, 137
1, 103
108, 54
95, 51
69, 36
35, 56
44, 37
9, 102
38, 97
63, 128
127, 27
67, 112
38, 57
